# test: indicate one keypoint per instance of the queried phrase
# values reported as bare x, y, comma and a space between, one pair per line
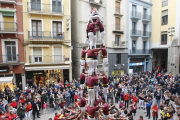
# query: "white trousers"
105, 89
94, 41
141, 102
105, 117
95, 65
29, 115
82, 65
83, 110
82, 88
91, 97
97, 115
105, 62
102, 37
91, 66
44, 111
96, 89
91, 39
91, 118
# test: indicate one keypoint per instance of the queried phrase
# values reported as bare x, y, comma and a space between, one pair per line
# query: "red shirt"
90, 81
83, 54
67, 85
135, 99
91, 110
29, 107
105, 109
91, 53
13, 104
57, 117
76, 96
83, 102
105, 80
11, 117
126, 97
104, 51
156, 109
82, 76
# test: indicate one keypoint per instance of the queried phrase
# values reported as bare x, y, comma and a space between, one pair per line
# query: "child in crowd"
44, 108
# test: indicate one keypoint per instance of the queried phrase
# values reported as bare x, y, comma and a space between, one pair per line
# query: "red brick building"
11, 42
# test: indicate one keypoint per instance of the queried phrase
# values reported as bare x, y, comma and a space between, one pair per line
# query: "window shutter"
164, 13
7, 13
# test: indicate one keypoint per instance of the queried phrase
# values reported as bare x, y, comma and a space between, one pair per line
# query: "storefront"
44, 77
6, 81
120, 72
136, 67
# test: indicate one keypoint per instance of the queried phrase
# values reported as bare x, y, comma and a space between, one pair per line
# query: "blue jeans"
2, 108
52, 109
158, 102
57, 106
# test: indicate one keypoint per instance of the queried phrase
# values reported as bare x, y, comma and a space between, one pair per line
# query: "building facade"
139, 35
80, 14
164, 15
47, 36
11, 43
116, 12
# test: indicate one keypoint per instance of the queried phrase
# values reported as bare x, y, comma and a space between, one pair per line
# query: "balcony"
119, 11
165, 23
9, 59
45, 9
8, 27
118, 29
135, 33
121, 44
146, 18
140, 51
135, 15
8, 1
45, 36
146, 34
165, 3
50, 59
96, 2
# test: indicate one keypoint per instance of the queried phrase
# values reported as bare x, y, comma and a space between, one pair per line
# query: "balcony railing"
146, 17
46, 59
44, 8
8, 27
97, 2
135, 32
140, 51
45, 35
135, 15
117, 44
9, 58
146, 34
119, 11
165, 3
118, 27
164, 23
163, 42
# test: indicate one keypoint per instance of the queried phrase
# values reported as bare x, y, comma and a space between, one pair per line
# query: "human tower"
90, 57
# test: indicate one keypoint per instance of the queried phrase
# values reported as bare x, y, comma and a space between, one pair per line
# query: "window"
57, 30
144, 45
117, 23
134, 28
144, 29
9, 24
10, 48
37, 53
165, 17
117, 7
144, 13
133, 10
117, 40
133, 45
36, 5
58, 54
118, 58
57, 6
164, 38
36, 28
164, 3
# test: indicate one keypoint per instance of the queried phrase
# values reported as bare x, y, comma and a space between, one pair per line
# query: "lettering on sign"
4, 70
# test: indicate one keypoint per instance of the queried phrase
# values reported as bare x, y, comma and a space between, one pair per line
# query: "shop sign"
4, 70
136, 64
121, 72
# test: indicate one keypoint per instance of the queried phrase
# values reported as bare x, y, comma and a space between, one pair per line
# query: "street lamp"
171, 31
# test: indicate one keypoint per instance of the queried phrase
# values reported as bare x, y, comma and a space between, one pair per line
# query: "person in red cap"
82, 106
83, 60
105, 109
104, 55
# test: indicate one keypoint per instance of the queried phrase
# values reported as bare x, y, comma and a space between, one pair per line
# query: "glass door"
36, 5
57, 6
10, 51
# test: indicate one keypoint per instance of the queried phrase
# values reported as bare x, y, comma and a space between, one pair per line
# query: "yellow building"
163, 17
47, 40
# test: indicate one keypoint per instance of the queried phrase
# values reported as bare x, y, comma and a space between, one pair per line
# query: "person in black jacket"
35, 109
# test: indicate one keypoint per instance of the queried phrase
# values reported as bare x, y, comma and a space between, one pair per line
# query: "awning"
6, 79
38, 45
8, 10
35, 68
136, 64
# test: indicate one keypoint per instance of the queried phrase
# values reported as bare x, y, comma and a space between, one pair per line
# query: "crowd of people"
151, 92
